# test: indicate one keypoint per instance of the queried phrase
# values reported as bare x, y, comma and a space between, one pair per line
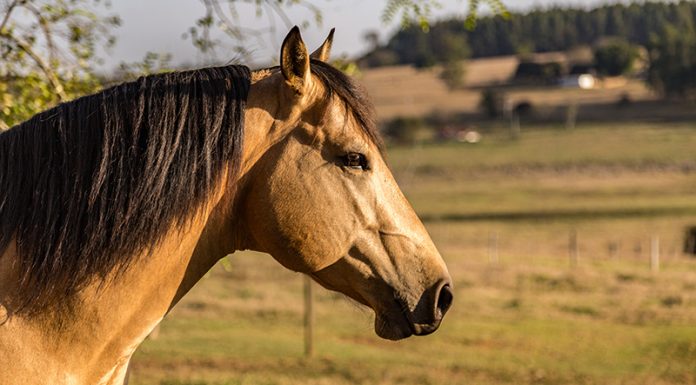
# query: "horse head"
317, 194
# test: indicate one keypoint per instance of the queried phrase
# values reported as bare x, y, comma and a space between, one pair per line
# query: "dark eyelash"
355, 160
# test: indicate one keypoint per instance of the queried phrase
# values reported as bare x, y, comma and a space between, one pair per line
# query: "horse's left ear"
324, 51
294, 61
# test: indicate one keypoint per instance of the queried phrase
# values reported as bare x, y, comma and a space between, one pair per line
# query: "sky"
158, 26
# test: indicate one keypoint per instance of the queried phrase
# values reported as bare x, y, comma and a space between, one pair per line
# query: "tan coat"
314, 192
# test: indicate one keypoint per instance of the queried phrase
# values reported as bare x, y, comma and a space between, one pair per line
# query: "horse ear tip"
292, 38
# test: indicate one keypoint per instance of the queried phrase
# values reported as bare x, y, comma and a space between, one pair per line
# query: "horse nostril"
444, 300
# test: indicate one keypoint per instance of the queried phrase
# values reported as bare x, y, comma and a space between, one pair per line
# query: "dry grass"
514, 323
406, 91
528, 319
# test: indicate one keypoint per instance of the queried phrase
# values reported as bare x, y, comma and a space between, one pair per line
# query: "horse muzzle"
424, 319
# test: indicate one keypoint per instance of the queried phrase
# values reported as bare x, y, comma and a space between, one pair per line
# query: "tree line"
666, 29
48, 47
541, 30
49, 55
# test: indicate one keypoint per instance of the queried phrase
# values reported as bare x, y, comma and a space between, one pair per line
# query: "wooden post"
573, 248
515, 126
493, 247
308, 317
571, 115
655, 254
690, 241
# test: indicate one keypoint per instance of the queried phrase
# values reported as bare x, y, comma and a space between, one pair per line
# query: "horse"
114, 205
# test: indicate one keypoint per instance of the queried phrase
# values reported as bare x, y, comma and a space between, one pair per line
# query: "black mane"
339, 84
88, 185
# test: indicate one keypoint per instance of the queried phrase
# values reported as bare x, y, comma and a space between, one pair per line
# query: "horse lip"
417, 329
425, 329
408, 317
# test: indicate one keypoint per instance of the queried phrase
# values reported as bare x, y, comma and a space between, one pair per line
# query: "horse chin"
392, 328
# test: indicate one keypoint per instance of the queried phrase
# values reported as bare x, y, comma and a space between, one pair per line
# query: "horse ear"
324, 51
294, 61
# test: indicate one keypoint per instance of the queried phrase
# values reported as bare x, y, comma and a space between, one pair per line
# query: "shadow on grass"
570, 214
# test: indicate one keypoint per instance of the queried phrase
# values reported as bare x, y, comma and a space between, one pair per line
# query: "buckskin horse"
112, 206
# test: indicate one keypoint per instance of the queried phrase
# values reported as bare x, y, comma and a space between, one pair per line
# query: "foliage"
552, 29
223, 15
667, 29
453, 74
615, 57
406, 130
49, 46
418, 12
21, 98
539, 73
673, 63
440, 45
152, 63
492, 102
48, 53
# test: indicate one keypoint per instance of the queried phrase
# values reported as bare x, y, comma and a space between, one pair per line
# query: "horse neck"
95, 340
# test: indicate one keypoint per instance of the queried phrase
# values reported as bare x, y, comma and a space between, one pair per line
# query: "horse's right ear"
324, 51
294, 61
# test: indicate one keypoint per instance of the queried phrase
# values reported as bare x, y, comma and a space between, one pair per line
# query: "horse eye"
355, 160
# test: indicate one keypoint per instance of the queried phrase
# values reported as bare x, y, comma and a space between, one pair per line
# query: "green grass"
528, 319
640, 170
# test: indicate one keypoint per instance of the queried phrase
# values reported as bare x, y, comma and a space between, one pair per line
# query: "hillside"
409, 92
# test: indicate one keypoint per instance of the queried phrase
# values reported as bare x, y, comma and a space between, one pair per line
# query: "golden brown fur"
312, 190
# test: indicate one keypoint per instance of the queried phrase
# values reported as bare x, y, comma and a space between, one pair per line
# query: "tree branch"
44, 25
45, 67
7, 14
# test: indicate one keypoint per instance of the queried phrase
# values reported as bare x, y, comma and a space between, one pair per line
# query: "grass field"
406, 91
530, 318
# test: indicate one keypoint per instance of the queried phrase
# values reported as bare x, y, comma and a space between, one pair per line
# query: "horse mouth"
393, 329
397, 325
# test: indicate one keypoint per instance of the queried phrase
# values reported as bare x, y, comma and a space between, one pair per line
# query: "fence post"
515, 126
493, 247
655, 254
308, 317
573, 248
571, 115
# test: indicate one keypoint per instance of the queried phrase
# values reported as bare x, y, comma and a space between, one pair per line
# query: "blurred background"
548, 146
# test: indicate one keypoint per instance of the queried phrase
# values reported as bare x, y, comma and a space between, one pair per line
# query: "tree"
492, 103
556, 29
49, 46
223, 15
673, 64
615, 57
48, 53
450, 49
453, 74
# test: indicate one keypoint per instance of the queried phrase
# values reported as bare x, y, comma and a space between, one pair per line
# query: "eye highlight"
355, 161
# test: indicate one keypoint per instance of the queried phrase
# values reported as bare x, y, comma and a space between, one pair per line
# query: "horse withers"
115, 204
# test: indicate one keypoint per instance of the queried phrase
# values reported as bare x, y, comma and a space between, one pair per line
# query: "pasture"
529, 318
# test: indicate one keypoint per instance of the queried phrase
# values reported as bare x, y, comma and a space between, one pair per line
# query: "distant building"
584, 81
541, 68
